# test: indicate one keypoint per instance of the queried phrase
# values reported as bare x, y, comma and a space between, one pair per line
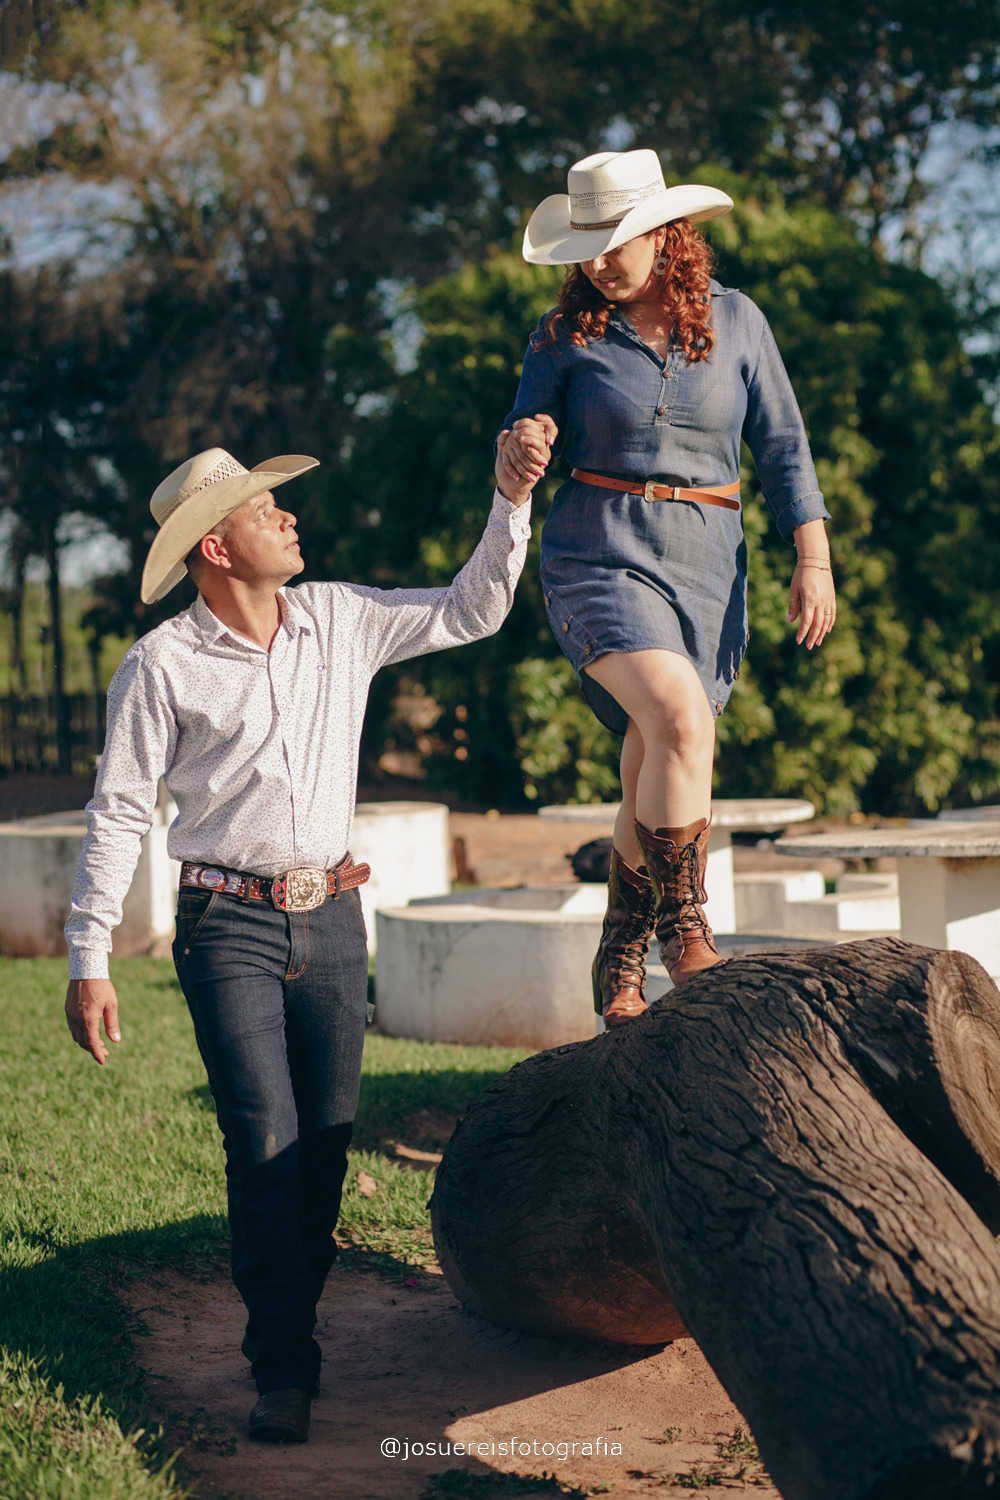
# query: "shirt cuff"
88, 963
800, 510
517, 517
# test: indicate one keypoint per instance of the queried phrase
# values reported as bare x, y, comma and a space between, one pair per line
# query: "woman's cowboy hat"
196, 497
613, 197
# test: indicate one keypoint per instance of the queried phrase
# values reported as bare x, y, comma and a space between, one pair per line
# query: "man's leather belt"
295, 890
714, 495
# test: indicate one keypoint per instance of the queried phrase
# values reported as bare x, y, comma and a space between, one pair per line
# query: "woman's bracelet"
814, 562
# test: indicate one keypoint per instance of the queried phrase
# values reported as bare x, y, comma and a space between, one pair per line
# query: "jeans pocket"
355, 901
193, 907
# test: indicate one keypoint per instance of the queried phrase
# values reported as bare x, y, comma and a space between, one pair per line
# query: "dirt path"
406, 1362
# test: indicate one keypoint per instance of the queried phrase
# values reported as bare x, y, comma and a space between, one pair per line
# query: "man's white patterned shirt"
259, 749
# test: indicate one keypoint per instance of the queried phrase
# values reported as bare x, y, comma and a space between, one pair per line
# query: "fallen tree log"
792, 1157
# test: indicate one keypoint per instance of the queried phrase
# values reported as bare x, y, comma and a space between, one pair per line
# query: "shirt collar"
211, 629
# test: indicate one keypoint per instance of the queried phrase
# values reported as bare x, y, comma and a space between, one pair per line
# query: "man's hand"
87, 1001
523, 456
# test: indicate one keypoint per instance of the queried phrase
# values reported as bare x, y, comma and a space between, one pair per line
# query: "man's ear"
214, 550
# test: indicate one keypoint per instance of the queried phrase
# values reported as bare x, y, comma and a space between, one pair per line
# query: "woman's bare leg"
667, 777
669, 745
631, 764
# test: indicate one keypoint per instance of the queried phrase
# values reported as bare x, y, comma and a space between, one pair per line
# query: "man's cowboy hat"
613, 197
196, 497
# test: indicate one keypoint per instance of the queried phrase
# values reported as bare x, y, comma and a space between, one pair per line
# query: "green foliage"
565, 752
897, 712
110, 1173
330, 167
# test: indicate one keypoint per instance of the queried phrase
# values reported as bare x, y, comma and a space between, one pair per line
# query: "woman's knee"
685, 727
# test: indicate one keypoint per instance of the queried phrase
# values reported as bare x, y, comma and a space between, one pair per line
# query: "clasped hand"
523, 455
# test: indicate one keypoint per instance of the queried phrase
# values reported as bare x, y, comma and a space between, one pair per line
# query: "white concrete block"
493, 969
952, 903
38, 859
762, 895
408, 845
844, 913
720, 906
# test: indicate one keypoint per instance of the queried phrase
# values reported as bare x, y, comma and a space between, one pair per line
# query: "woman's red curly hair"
686, 299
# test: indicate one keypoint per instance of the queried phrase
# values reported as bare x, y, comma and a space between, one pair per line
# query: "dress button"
565, 627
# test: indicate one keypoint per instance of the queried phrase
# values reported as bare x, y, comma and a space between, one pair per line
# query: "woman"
660, 371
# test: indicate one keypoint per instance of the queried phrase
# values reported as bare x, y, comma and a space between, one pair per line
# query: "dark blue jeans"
279, 1002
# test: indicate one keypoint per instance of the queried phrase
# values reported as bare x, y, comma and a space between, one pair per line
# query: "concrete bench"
38, 858
728, 815
797, 901
949, 879
407, 845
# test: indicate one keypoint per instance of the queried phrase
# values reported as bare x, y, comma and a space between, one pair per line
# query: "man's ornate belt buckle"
673, 491
299, 890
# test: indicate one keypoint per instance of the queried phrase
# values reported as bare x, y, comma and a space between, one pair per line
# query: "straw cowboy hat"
196, 497
613, 197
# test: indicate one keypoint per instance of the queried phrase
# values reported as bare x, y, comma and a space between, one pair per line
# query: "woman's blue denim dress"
621, 573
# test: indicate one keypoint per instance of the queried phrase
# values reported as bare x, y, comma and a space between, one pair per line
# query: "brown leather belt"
295, 890
651, 490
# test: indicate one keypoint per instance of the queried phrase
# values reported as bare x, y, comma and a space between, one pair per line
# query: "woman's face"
627, 273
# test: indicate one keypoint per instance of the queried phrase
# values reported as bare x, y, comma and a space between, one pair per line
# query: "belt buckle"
299, 890
650, 486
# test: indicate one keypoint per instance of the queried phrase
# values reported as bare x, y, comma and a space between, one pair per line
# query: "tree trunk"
64, 752
18, 558
785, 1143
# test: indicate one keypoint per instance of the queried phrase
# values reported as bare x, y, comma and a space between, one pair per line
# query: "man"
250, 705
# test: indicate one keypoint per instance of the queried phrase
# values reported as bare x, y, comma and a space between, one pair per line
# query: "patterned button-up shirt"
259, 749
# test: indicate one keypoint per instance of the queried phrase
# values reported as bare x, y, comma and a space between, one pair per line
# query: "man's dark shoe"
282, 1416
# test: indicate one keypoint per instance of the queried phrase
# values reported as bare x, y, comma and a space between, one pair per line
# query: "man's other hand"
87, 1002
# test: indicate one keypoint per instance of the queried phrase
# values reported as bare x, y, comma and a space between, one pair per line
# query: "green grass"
108, 1173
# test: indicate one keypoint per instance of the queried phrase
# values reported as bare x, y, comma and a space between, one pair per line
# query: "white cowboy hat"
196, 497
613, 197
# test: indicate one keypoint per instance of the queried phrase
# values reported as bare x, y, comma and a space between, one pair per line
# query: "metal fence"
28, 733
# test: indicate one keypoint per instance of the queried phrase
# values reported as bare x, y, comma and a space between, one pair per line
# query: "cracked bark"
797, 1159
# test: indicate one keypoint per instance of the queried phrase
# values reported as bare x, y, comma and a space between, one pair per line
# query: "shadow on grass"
69, 1313
390, 1100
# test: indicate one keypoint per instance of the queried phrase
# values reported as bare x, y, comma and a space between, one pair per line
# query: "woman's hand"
536, 435
813, 602
523, 455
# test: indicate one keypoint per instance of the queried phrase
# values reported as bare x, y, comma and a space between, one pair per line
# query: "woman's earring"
660, 263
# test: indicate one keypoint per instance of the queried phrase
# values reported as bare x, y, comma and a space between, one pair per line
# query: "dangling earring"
660, 263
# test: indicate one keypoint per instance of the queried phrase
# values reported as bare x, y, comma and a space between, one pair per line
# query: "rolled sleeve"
776, 436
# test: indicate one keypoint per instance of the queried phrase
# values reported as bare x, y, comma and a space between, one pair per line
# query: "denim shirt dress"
621, 573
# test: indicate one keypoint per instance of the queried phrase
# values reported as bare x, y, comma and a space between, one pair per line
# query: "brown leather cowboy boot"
676, 860
619, 971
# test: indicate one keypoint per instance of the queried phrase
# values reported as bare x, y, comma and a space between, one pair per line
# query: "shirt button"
661, 411
586, 650
565, 627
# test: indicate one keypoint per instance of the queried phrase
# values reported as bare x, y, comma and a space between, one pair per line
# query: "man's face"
262, 543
